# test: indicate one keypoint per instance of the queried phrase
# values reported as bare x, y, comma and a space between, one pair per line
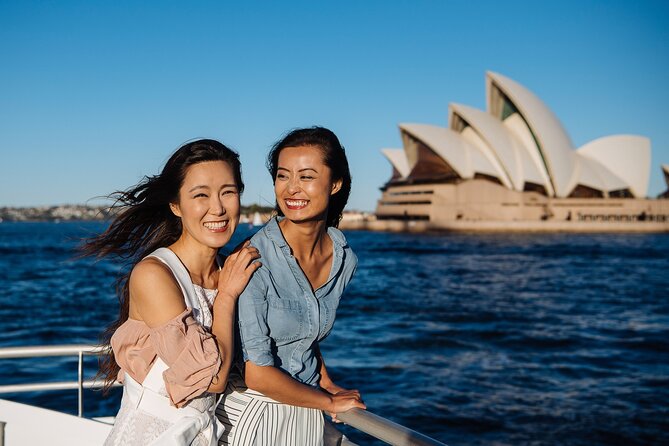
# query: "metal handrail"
385, 430
55, 350
363, 420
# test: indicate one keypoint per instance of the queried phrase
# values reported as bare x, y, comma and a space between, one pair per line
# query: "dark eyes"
225, 192
281, 176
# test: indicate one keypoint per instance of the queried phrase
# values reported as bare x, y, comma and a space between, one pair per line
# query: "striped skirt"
252, 419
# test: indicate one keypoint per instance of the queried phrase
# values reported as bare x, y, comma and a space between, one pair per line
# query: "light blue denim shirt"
281, 319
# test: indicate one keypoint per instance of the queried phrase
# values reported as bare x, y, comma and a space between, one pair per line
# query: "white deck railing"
54, 350
363, 420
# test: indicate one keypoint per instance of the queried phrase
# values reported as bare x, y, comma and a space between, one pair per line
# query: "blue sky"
94, 95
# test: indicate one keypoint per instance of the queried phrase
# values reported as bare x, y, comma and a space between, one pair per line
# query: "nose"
216, 206
293, 186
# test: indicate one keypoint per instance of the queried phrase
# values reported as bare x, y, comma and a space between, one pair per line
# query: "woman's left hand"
353, 396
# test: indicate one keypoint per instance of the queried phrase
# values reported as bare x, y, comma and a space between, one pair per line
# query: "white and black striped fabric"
252, 419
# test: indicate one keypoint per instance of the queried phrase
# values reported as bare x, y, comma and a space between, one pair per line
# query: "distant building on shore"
515, 167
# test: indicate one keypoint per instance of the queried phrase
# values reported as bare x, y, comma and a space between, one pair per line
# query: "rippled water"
471, 339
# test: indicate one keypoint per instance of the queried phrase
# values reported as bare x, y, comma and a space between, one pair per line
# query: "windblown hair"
334, 156
144, 222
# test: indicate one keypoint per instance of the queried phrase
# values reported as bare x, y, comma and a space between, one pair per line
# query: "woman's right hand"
345, 400
237, 270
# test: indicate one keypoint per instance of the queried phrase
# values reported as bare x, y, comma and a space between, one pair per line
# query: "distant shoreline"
80, 212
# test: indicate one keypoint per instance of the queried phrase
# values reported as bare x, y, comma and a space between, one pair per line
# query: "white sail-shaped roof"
462, 156
511, 153
555, 146
398, 159
522, 144
474, 138
626, 156
592, 174
534, 170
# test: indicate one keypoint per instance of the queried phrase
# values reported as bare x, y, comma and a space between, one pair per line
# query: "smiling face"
303, 184
208, 203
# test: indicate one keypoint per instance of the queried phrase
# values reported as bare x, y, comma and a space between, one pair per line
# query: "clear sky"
96, 94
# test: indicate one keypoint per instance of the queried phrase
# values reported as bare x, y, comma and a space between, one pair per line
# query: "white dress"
139, 422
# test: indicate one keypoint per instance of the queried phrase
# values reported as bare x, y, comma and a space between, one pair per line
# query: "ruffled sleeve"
191, 354
133, 351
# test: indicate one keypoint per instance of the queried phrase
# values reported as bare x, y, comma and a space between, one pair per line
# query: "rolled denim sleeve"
253, 329
351, 262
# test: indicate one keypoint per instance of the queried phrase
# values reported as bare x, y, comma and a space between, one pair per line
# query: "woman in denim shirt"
290, 304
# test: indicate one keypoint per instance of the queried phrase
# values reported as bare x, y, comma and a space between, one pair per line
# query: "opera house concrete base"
507, 227
483, 205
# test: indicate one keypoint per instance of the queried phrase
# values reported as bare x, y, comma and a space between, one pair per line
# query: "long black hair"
144, 222
334, 156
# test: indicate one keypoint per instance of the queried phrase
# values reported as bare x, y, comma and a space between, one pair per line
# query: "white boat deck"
28, 425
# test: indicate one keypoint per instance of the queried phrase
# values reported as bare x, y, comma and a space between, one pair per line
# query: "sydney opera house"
514, 166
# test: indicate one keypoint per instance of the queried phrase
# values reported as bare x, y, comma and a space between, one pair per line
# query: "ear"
336, 186
176, 210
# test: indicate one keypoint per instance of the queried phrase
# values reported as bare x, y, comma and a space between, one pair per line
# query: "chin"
220, 240
302, 217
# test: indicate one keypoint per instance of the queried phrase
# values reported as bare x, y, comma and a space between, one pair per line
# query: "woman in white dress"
172, 343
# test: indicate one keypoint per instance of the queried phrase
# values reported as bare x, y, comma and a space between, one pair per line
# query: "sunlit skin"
208, 206
303, 187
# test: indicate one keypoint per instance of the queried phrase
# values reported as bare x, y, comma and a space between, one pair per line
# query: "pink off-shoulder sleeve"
191, 354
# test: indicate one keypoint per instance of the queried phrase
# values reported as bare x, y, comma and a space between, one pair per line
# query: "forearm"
222, 328
272, 382
325, 380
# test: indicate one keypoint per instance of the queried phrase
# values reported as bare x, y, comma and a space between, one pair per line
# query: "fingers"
241, 259
345, 402
352, 393
237, 270
242, 245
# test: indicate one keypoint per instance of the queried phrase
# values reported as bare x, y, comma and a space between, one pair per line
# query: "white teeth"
216, 225
296, 203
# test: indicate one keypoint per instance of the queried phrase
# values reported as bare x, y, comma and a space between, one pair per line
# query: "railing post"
81, 383
2, 433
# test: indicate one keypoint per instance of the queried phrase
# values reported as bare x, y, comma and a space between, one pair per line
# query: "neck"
304, 238
199, 260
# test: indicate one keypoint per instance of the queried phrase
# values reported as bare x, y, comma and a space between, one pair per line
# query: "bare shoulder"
150, 268
152, 275
155, 295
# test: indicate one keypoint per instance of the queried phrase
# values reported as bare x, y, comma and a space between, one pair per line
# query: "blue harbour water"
472, 339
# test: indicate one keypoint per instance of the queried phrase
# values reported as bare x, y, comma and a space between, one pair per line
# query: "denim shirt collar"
274, 233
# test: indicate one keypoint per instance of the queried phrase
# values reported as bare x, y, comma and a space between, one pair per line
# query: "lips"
217, 226
296, 204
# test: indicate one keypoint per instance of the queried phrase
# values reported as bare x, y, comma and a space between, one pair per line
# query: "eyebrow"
301, 170
202, 186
